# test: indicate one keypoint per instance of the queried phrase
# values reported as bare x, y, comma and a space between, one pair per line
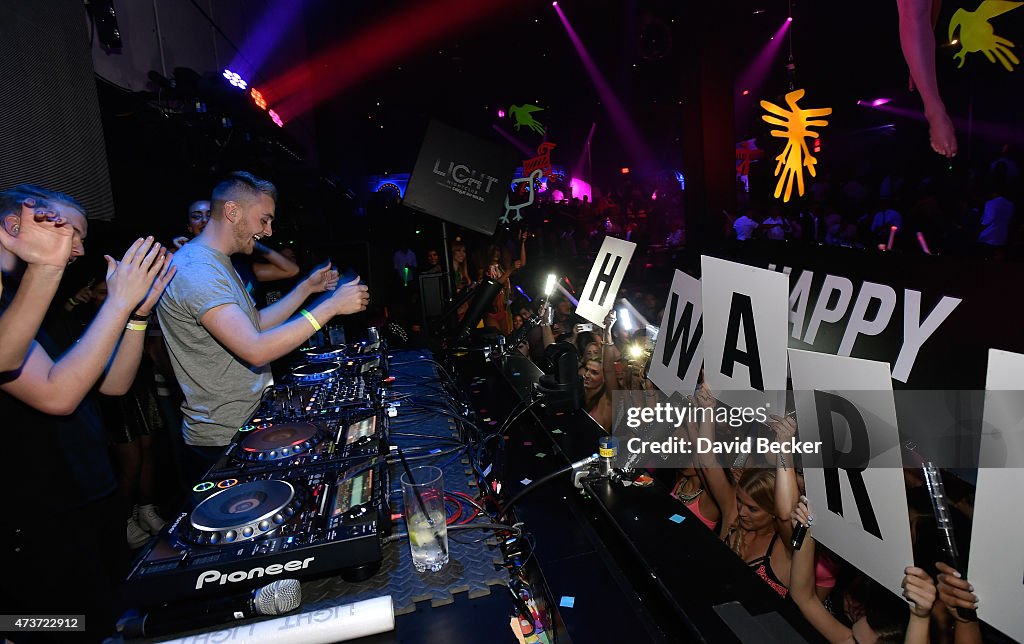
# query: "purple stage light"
522, 147
789, 19
262, 39
501, 114
760, 68
275, 118
627, 131
880, 101
577, 171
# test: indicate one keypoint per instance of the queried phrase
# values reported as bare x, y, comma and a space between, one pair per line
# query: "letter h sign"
606, 275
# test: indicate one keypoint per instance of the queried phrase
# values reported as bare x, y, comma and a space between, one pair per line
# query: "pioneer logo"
216, 576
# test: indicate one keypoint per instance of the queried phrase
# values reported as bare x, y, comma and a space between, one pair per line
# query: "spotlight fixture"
257, 98
624, 170
235, 79
275, 118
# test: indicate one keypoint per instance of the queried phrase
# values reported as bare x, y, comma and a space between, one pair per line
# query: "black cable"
434, 454
499, 527
447, 439
531, 487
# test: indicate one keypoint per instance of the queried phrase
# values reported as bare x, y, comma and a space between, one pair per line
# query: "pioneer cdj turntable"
301, 523
268, 443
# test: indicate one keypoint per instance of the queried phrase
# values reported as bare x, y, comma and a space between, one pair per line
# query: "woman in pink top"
689, 490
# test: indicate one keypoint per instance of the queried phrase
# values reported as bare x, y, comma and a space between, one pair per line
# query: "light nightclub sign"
460, 178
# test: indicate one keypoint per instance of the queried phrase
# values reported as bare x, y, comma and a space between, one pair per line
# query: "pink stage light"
878, 102
501, 114
580, 189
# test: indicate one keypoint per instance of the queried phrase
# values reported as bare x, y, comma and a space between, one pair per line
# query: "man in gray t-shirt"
221, 391
220, 344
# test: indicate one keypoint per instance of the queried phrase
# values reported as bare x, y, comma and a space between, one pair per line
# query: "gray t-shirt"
221, 391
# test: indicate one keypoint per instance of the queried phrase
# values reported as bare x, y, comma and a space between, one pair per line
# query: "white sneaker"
137, 537
148, 519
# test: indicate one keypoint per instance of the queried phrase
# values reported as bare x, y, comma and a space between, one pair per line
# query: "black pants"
198, 460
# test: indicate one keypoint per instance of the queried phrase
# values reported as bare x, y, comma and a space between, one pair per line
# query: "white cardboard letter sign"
679, 351
598, 296
746, 317
997, 554
860, 506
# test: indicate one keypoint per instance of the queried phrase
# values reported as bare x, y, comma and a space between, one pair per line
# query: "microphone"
277, 598
799, 532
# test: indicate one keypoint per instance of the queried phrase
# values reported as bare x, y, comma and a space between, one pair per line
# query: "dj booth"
309, 490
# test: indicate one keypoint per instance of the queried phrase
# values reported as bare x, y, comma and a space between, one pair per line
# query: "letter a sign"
609, 268
745, 333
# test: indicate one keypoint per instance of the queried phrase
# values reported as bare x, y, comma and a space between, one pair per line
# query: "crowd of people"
755, 508
71, 383
98, 374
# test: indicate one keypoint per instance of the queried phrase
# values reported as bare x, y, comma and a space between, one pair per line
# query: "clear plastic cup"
423, 499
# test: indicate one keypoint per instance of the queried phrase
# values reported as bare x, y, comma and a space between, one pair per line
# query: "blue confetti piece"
677, 518
567, 602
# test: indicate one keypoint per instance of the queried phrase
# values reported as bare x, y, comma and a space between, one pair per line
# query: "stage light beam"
625, 128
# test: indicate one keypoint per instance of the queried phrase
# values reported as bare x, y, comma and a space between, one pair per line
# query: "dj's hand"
351, 297
323, 278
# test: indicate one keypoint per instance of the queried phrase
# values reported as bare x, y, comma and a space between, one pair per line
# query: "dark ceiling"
842, 52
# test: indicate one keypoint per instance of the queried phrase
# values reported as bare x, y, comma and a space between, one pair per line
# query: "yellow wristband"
312, 320
137, 326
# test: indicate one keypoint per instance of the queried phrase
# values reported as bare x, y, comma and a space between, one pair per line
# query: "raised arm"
323, 278
546, 334
722, 490
801, 583
787, 491
58, 387
272, 265
43, 241
124, 365
229, 324
919, 590
609, 354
